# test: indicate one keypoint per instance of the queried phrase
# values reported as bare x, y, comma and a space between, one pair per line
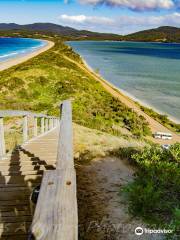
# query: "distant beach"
26, 56
128, 95
148, 73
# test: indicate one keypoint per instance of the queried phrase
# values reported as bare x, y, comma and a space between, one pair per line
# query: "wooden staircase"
19, 174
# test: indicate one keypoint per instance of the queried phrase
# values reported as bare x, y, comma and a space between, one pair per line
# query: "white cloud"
82, 19
136, 5
122, 24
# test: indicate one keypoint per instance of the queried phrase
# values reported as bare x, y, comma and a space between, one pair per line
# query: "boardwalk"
18, 175
46, 161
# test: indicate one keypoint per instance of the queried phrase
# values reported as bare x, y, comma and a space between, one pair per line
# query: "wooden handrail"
18, 113
56, 216
25, 114
65, 147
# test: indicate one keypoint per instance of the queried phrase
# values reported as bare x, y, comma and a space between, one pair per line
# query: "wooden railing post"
35, 127
51, 123
2, 140
25, 128
57, 121
46, 124
42, 125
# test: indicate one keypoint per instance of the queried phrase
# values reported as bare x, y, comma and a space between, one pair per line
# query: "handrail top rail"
19, 113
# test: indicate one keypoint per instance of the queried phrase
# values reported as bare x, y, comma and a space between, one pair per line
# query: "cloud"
82, 19
135, 5
121, 24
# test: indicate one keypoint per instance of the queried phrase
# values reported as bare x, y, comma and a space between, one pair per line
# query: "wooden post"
46, 124
51, 123
2, 140
35, 127
25, 129
42, 125
57, 121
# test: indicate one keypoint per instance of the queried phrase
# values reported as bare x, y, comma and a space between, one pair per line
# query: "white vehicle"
166, 146
161, 135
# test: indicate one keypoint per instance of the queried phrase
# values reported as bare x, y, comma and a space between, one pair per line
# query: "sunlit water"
149, 72
13, 47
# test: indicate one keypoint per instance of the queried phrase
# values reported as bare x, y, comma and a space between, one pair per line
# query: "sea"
11, 48
147, 72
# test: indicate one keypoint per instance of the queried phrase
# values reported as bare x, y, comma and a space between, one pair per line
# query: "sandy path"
12, 62
103, 212
154, 125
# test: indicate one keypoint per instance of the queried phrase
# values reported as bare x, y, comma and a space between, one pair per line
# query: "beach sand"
12, 62
154, 125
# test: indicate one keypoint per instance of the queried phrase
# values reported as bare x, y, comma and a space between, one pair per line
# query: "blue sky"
118, 16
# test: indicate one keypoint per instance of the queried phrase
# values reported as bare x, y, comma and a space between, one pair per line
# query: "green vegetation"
51, 29
43, 82
161, 34
155, 194
162, 119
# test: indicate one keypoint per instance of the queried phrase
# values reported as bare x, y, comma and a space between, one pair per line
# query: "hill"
51, 28
161, 34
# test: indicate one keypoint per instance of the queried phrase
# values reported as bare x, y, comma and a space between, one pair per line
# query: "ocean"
147, 72
12, 47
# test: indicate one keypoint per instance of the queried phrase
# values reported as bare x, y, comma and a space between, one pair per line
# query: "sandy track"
154, 125
103, 210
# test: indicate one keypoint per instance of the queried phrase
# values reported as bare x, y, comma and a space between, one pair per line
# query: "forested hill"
51, 28
161, 34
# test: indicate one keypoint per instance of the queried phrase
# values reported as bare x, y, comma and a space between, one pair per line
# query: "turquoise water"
13, 47
148, 72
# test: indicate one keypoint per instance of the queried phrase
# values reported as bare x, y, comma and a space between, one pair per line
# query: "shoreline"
22, 58
128, 95
154, 125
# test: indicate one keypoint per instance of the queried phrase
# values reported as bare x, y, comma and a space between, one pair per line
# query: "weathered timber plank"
59, 220
65, 145
7, 229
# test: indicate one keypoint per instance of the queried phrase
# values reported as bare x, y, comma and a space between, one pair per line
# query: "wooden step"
15, 219
29, 184
16, 195
14, 203
25, 208
20, 237
20, 173
21, 168
19, 179
15, 213
25, 162
14, 228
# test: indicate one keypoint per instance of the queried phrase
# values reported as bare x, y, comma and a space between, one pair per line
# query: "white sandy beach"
12, 62
155, 126
130, 96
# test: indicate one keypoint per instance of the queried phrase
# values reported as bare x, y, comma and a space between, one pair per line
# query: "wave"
8, 55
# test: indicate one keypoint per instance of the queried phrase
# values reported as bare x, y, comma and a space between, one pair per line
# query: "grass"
41, 83
163, 119
99, 144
